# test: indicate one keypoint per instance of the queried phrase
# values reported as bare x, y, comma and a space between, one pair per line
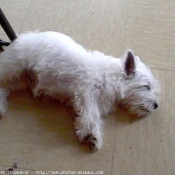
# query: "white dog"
55, 65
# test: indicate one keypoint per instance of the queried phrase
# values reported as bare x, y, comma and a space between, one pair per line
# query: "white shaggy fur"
93, 80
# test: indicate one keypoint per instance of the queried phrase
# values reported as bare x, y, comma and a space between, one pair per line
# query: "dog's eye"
144, 88
147, 87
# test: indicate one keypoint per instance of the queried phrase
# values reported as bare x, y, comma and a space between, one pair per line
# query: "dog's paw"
92, 142
89, 133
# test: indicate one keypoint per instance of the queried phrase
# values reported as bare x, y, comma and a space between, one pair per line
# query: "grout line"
39, 16
113, 150
162, 69
25, 16
124, 32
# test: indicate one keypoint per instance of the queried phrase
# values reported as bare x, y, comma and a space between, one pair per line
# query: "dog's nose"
155, 105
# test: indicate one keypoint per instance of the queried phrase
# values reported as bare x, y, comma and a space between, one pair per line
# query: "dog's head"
139, 89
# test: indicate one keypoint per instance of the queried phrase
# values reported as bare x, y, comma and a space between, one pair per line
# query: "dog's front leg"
88, 123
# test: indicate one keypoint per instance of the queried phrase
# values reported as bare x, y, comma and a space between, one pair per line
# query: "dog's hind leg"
9, 85
12, 68
3, 100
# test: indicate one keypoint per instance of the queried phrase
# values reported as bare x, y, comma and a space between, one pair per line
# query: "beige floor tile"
15, 12
40, 136
146, 146
150, 31
97, 25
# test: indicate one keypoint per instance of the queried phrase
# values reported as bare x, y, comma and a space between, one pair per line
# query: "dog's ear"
129, 63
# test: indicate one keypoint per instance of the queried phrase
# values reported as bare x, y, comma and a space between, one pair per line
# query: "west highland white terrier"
54, 64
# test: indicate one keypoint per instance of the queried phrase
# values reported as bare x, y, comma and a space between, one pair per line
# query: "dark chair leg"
7, 27
3, 43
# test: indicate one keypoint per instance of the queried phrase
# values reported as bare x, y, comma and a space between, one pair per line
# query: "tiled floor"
39, 136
